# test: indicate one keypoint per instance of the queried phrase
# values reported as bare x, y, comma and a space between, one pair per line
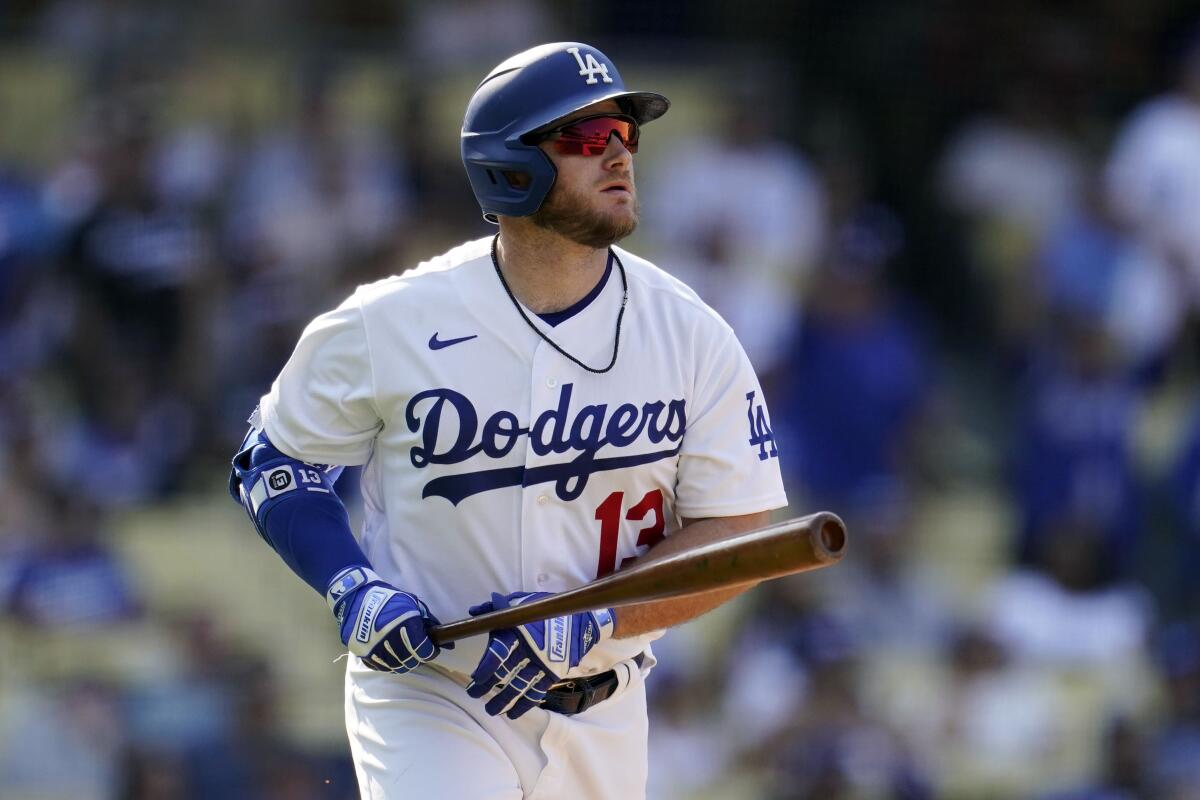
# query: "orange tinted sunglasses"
588, 136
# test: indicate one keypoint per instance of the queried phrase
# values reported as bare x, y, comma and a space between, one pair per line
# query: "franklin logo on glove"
366, 619
557, 632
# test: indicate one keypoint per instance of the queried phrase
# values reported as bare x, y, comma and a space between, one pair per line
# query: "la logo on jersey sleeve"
761, 434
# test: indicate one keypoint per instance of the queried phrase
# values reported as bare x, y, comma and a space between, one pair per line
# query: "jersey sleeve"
321, 406
729, 462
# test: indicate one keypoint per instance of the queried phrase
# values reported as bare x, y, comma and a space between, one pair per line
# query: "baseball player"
532, 410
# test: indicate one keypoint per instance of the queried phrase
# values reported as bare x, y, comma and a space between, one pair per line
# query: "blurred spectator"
253, 759
316, 207
436, 35
1013, 168
1153, 179
1074, 467
191, 167
853, 382
834, 746
248, 760
1174, 753
68, 577
126, 443
137, 263
152, 774
1124, 775
190, 705
889, 597
740, 216
311, 196
1184, 479
795, 710
1011, 175
1066, 611
1091, 269
28, 237
213, 727
104, 31
689, 751
769, 657
1003, 726
61, 741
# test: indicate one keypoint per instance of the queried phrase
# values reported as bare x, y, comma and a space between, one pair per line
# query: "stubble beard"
569, 215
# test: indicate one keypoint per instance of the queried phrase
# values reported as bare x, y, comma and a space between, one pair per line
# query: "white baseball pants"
420, 737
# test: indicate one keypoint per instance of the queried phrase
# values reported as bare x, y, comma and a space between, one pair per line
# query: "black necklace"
547, 339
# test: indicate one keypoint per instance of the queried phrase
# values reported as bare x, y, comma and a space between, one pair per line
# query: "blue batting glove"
385, 627
522, 663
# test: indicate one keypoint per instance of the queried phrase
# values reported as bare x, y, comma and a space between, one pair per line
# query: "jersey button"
542, 578
542, 500
551, 382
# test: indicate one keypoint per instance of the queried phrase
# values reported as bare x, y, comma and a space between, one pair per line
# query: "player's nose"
617, 153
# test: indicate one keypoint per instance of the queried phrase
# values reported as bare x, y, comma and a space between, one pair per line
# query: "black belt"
580, 694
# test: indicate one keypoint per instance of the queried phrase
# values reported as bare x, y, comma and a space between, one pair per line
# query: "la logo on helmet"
590, 67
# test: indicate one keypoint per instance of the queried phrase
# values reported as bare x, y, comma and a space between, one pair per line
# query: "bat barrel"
788, 547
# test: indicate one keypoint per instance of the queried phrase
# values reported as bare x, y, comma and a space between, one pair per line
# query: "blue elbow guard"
262, 478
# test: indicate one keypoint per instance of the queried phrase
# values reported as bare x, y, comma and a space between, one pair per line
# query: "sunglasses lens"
589, 136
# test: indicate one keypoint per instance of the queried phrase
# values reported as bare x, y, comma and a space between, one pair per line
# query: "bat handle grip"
462, 629
510, 617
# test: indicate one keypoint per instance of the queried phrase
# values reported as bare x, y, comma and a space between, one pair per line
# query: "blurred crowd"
975, 322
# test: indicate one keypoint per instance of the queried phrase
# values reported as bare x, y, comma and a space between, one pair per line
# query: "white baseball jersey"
493, 463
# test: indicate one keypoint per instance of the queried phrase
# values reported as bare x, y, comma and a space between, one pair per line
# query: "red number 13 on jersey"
609, 515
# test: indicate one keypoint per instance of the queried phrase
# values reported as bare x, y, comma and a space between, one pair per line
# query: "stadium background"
958, 239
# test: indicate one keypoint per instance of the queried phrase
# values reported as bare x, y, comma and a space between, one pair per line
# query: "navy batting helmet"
529, 91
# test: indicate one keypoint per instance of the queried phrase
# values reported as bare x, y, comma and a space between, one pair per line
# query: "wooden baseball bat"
796, 545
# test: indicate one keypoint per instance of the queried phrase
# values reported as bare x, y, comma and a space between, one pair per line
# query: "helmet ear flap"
512, 185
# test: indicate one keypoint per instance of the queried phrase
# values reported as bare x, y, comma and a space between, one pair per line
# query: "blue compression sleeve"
312, 535
294, 508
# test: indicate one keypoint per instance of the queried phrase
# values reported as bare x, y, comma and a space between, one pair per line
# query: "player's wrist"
347, 583
606, 621
592, 628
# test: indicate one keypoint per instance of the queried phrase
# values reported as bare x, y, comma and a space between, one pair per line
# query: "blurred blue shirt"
849, 395
1074, 459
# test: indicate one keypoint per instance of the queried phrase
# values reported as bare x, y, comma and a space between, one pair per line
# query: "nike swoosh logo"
437, 344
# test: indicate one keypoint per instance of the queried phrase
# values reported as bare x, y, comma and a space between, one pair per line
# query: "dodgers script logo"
554, 431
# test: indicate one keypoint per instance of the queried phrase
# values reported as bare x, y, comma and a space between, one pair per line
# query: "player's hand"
522, 663
387, 628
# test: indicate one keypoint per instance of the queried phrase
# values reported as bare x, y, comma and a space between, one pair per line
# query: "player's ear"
517, 180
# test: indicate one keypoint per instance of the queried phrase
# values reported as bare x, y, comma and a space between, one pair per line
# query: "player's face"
594, 200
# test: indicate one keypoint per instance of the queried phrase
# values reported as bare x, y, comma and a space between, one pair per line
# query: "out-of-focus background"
960, 241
